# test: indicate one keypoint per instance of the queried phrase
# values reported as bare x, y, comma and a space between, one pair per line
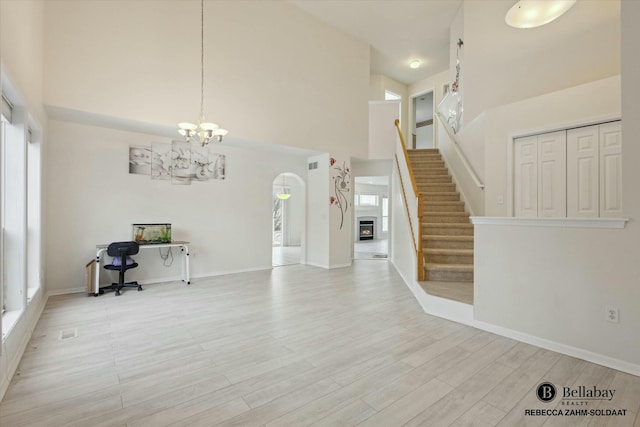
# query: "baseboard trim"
580, 353
436, 306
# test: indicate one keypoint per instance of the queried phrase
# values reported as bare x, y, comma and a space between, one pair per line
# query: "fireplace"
366, 228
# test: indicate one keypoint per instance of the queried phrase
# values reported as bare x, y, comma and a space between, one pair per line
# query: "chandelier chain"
202, 60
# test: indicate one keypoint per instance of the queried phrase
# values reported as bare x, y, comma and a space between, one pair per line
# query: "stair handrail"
417, 245
406, 159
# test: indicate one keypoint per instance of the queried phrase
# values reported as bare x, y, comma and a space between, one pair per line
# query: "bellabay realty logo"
584, 396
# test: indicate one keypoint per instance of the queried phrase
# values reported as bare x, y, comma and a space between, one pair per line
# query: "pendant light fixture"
202, 131
284, 194
535, 13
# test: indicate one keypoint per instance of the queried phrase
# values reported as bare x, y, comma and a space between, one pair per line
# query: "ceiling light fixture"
202, 131
534, 13
415, 64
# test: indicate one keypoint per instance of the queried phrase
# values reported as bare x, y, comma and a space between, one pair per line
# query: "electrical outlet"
612, 314
500, 200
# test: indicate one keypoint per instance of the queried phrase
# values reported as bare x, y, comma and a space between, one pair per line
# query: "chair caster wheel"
117, 293
139, 288
95, 295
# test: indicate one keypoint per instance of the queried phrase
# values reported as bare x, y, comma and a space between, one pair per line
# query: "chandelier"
202, 131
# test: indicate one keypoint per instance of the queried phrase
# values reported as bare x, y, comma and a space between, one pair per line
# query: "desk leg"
185, 265
96, 289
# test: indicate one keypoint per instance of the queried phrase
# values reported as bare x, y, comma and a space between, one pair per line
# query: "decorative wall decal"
218, 164
341, 176
201, 167
181, 154
161, 160
139, 160
179, 161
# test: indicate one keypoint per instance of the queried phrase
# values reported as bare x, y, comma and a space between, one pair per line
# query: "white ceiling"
401, 30
397, 30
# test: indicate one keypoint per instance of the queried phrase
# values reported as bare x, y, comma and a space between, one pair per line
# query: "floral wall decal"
341, 176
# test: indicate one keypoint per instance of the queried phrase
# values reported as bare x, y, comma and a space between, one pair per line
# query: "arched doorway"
288, 224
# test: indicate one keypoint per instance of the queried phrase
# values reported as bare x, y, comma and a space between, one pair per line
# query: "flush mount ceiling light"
534, 13
201, 131
415, 63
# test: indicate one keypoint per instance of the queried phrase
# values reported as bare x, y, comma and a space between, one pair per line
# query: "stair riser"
426, 173
428, 207
448, 259
434, 179
446, 231
449, 276
446, 219
426, 164
442, 187
446, 244
442, 197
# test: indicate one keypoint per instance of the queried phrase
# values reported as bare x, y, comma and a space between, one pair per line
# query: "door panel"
526, 177
552, 174
611, 170
582, 172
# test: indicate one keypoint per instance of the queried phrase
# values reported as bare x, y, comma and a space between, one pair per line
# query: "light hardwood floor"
294, 346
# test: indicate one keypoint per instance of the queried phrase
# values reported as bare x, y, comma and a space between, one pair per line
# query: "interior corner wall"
318, 242
502, 65
273, 73
95, 200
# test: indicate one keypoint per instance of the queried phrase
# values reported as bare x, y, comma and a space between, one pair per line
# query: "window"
20, 211
385, 213
391, 96
366, 200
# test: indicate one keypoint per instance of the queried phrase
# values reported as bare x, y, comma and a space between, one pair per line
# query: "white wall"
318, 243
501, 65
556, 287
22, 49
21, 40
382, 129
273, 73
228, 222
580, 105
378, 84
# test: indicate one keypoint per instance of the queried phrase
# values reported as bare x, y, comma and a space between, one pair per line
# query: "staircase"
447, 233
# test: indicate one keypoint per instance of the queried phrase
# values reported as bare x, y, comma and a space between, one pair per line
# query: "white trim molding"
551, 222
568, 350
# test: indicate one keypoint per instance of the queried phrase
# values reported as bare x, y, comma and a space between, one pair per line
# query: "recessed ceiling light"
534, 13
415, 63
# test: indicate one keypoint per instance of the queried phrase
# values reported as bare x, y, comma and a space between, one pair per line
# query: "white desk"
184, 248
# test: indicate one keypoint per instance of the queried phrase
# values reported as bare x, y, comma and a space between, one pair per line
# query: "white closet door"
552, 174
526, 177
611, 170
582, 172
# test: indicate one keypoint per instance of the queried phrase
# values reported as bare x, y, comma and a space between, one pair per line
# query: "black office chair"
122, 250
